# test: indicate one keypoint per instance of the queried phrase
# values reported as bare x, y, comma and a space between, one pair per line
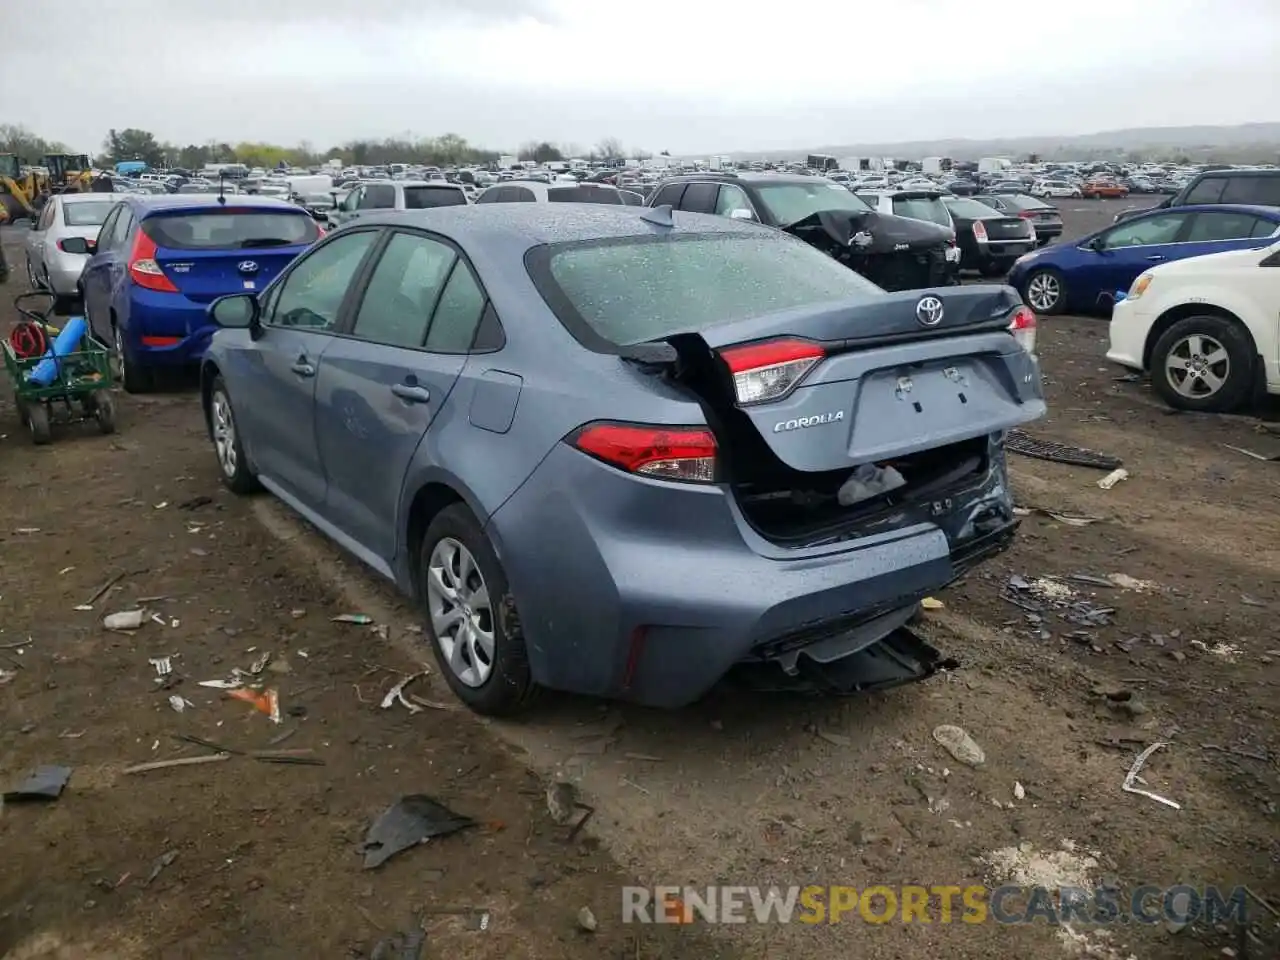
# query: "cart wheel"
38, 421
105, 411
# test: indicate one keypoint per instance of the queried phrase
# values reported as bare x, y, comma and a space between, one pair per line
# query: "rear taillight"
1023, 327
687, 454
143, 268
768, 370
979, 231
1027, 214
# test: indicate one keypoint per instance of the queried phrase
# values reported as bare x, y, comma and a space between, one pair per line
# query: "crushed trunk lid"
868, 233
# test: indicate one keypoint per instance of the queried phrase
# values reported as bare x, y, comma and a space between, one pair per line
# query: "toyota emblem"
248, 266
929, 311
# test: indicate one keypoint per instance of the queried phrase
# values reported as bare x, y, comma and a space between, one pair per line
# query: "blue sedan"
1085, 275
620, 451
160, 261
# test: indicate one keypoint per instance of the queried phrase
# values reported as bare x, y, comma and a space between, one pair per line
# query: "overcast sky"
689, 77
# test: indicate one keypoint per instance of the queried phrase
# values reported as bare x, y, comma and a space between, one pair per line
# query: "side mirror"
1098, 244
239, 311
76, 245
741, 214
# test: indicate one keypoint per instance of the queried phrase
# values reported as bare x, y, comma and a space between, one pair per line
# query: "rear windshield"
583, 195
972, 209
424, 198
1020, 201
922, 208
231, 229
90, 213
646, 288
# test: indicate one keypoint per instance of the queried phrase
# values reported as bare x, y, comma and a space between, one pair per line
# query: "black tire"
38, 424
104, 411
993, 268
1048, 273
509, 689
133, 378
237, 476
1238, 372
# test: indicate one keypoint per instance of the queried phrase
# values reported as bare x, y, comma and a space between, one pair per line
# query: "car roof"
745, 176
895, 191
1240, 173
429, 183
531, 224
1251, 209
81, 197
156, 203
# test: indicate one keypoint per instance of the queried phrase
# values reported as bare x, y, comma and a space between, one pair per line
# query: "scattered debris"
959, 744
1019, 791
180, 704
1042, 595
396, 694
260, 663
27, 531
201, 742
1071, 520
46, 782
195, 503
562, 801
587, 920
235, 683
125, 620
163, 665
1016, 441
932, 603
409, 821
165, 859
102, 590
179, 762
1249, 601
6, 676
1268, 452
1132, 777
1112, 478
363, 619
1126, 582
1025, 866
265, 702
1229, 652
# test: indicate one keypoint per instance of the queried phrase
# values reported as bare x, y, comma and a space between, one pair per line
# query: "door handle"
411, 392
302, 368
1156, 257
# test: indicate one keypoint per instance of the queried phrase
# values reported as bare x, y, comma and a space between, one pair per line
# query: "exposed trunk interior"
797, 508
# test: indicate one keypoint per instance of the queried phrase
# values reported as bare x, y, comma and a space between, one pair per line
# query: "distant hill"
1245, 143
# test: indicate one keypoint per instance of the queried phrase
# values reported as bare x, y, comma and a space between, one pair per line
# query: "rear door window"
403, 290
930, 209
378, 196
425, 198
669, 195
732, 197
1148, 231
313, 292
231, 229
457, 314
700, 197
1264, 191
1209, 227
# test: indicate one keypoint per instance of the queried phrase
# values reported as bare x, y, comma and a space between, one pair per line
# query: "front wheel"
1205, 364
234, 465
1045, 292
38, 422
471, 616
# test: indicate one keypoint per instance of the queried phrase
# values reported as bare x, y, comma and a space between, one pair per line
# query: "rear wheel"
133, 378
1045, 292
1203, 363
32, 280
236, 472
104, 411
471, 616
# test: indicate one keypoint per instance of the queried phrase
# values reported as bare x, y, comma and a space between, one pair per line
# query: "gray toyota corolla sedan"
625, 452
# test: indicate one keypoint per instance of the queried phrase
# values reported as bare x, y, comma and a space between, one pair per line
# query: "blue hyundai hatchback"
160, 262
1085, 275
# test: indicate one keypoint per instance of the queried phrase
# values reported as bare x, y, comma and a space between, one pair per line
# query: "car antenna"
222, 179
658, 216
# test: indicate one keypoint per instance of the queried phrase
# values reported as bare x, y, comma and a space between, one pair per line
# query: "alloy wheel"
1198, 366
1043, 292
224, 434
118, 342
31, 276
461, 612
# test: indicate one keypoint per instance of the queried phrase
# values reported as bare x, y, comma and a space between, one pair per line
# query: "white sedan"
1207, 328
1057, 189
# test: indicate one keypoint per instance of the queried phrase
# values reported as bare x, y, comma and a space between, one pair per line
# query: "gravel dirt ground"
241, 858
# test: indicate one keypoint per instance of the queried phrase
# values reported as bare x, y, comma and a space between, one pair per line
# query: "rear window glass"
643, 289
424, 198
964, 207
87, 214
922, 208
1021, 202
231, 230
583, 195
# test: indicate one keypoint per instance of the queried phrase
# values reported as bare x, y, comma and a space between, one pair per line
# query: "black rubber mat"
1024, 445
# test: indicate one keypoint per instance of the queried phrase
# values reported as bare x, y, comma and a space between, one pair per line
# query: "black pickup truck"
1221, 186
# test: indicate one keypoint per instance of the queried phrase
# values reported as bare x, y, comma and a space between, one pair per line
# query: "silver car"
62, 240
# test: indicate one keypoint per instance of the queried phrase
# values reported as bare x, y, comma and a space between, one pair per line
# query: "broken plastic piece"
125, 620
268, 701
360, 618
1112, 478
179, 704
44, 783
409, 821
868, 481
1131, 778
932, 603
959, 744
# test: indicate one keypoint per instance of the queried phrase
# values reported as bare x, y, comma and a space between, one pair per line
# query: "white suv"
1055, 188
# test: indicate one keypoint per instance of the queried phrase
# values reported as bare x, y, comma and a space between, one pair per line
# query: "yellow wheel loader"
68, 172
19, 194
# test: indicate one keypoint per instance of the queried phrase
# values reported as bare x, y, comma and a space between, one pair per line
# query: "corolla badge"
800, 423
247, 266
929, 311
